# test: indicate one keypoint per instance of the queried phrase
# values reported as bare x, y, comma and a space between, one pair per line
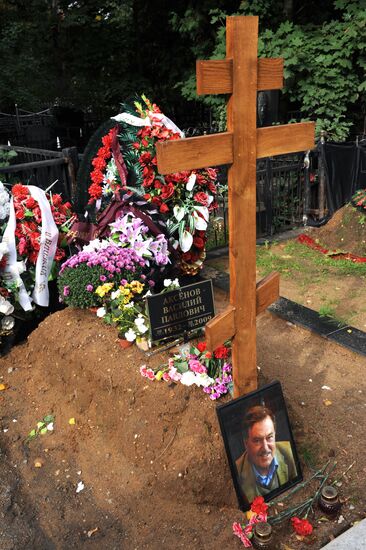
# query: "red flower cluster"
29, 219
259, 506
301, 526
223, 352
169, 190
99, 164
359, 198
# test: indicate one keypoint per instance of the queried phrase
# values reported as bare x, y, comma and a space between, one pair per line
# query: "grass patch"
295, 258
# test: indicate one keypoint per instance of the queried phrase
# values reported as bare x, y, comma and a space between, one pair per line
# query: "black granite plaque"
182, 310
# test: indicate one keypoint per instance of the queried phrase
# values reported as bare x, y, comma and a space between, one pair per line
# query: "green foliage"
73, 282
89, 53
324, 51
43, 426
6, 157
322, 69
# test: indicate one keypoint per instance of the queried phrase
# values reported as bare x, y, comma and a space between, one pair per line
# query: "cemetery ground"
149, 455
334, 288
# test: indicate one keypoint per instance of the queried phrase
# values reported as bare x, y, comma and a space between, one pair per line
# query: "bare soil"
150, 454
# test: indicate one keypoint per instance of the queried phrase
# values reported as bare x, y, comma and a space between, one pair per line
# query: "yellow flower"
102, 290
137, 287
159, 375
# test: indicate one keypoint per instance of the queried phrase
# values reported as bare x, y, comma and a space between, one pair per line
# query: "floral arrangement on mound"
185, 200
257, 514
32, 227
129, 253
296, 513
29, 222
197, 366
86, 277
125, 309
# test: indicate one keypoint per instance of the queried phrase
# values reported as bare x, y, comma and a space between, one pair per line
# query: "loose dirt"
149, 454
345, 231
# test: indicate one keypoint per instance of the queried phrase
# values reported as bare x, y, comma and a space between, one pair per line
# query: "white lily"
191, 181
200, 222
186, 240
203, 210
179, 212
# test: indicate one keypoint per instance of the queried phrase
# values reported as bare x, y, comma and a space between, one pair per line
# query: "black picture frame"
231, 419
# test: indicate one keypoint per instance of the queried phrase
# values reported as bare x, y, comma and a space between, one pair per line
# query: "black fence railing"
281, 191
42, 168
292, 190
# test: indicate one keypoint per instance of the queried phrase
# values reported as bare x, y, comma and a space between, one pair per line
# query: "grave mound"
150, 455
345, 231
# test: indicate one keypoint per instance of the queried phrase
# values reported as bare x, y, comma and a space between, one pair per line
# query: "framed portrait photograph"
259, 444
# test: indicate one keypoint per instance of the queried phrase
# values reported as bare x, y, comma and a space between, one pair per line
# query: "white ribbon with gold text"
48, 245
11, 272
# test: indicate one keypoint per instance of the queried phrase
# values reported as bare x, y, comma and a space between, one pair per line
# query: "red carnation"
19, 214
95, 192
30, 202
96, 176
37, 214
107, 140
99, 163
258, 505
201, 346
20, 191
301, 526
164, 208
56, 199
223, 353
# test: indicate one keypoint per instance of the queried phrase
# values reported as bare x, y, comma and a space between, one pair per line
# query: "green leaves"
43, 426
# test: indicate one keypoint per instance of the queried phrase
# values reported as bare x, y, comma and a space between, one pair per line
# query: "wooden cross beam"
241, 74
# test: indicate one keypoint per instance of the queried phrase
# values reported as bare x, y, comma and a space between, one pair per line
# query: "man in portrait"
266, 464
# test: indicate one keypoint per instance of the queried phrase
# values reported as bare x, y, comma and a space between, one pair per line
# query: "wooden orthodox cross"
241, 74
